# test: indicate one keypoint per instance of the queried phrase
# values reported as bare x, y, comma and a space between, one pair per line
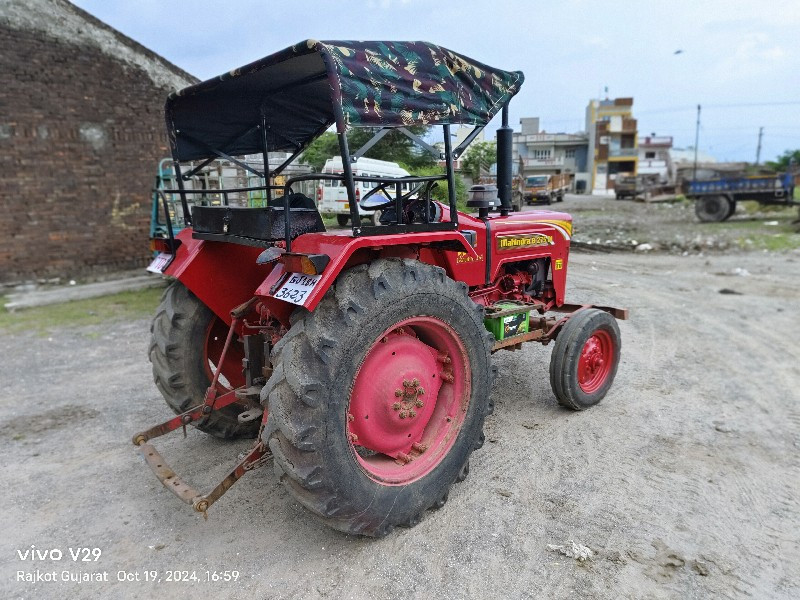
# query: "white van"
332, 195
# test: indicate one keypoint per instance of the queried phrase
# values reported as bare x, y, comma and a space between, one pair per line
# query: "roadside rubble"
579, 552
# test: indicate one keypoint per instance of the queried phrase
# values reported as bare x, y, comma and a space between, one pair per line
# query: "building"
537, 152
655, 159
81, 134
612, 142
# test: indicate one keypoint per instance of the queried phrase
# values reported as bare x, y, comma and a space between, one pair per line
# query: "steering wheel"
382, 202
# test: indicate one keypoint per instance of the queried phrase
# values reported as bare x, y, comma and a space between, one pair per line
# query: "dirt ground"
684, 482
609, 224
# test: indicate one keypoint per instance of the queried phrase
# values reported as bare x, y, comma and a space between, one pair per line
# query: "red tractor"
360, 361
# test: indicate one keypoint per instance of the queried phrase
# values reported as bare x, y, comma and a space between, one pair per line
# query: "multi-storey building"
654, 157
612, 142
537, 152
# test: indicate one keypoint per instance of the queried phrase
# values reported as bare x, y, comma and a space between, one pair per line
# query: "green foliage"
775, 242
440, 191
478, 158
320, 150
782, 162
394, 146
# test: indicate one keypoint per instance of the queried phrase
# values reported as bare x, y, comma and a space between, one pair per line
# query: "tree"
440, 191
394, 146
782, 162
321, 149
478, 158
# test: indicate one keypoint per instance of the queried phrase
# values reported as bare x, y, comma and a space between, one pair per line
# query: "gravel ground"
606, 223
683, 483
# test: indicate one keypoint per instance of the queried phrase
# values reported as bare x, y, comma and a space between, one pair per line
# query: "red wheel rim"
409, 400
594, 365
231, 374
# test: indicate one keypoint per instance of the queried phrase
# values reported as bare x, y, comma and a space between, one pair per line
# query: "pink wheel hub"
595, 361
409, 400
231, 368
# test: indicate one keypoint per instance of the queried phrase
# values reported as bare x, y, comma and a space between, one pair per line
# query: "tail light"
358, 194
319, 194
308, 264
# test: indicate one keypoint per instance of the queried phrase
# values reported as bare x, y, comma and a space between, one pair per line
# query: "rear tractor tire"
378, 397
585, 359
186, 339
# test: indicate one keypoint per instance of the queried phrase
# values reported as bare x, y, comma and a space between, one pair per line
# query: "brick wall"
80, 138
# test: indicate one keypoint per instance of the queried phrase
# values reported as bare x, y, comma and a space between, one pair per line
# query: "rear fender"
221, 275
344, 251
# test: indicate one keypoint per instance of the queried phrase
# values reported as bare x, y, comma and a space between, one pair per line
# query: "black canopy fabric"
296, 92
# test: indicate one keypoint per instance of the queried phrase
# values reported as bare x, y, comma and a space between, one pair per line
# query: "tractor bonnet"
291, 97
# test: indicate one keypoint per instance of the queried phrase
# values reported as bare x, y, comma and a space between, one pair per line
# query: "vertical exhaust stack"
504, 141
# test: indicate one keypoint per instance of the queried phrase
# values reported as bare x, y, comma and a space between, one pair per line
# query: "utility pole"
696, 141
758, 149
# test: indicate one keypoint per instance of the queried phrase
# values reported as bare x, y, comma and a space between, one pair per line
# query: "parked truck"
715, 199
544, 188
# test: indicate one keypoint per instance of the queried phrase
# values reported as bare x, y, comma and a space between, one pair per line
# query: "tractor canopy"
284, 101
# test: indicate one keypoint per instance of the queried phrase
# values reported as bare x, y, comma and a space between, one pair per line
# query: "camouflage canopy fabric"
291, 97
416, 83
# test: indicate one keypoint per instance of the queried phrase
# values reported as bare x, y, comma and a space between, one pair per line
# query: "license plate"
297, 288
347, 206
159, 262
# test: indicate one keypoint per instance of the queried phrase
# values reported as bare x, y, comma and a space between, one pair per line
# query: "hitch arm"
256, 457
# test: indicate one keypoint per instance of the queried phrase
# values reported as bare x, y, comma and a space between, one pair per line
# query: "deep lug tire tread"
320, 356
176, 339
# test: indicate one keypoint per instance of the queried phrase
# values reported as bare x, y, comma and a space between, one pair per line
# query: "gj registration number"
297, 288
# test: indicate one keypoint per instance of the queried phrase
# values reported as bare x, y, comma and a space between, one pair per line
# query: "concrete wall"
81, 132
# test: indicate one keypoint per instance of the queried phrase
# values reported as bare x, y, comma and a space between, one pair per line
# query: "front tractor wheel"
186, 341
379, 396
585, 359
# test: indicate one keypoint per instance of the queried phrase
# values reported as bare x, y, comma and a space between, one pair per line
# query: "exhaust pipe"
504, 141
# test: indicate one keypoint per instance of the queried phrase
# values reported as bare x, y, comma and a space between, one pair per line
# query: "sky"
737, 59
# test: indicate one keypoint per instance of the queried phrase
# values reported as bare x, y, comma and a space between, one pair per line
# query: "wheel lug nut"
448, 377
412, 413
420, 391
419, 447
402, 414
419, 404
353, 437
403, 457
415, 382
397, 406
350, 417
398, 393
406, 383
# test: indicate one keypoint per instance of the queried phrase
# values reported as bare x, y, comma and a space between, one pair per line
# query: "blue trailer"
715, 199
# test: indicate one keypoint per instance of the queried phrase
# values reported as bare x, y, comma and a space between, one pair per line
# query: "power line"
686, 108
